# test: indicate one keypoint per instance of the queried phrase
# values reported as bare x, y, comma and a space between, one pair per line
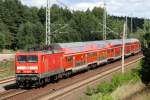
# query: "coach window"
103, 56
79, 63
89, 54
94, 54
112, 50
117, 52
109, 50
69, 59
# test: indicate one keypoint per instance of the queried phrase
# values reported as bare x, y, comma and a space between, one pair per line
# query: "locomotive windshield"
31, 58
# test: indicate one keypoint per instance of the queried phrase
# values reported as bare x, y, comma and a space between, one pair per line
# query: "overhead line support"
48, 23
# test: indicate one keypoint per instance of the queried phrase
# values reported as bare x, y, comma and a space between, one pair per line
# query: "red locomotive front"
32, 69
27, 63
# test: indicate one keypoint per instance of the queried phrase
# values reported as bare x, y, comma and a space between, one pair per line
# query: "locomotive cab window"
24, 58
32, 58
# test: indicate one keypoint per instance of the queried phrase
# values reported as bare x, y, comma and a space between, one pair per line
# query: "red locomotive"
62, 59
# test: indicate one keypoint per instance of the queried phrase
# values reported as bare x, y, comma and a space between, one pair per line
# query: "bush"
145, 72
90, 91
117, 80
104, 88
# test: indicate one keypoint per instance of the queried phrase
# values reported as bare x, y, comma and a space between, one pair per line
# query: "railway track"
8, 94
54, 90
58, 94
12, 92
6, 80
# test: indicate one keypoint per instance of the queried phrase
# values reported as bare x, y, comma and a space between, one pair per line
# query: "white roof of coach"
75, 47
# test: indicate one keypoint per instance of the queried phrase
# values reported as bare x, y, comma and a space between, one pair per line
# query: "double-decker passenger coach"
37, 67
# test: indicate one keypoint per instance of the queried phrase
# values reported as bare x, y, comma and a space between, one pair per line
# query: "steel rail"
61, 92
10, 94
6, 80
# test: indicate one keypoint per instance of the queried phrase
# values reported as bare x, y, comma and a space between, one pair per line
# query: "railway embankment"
71, 88
132, 91
7, 69
127, 86
77, 92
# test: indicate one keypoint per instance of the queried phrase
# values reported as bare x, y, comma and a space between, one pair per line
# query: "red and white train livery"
62, 59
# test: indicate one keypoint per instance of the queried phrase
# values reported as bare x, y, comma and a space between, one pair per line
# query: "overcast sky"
135, 8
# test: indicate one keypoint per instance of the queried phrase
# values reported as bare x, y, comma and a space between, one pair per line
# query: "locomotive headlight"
21, 67
33, 67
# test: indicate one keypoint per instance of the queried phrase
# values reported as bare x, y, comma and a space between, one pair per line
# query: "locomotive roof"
75, 47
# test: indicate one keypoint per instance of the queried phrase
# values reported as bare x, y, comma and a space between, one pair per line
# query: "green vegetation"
1, 41
145, 72
103, 90
22, 26
7, 69
136, 91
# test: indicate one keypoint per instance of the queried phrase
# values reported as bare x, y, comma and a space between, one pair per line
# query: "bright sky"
135, 8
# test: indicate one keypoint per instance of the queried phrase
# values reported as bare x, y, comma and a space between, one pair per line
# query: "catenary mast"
104, 21
48, 23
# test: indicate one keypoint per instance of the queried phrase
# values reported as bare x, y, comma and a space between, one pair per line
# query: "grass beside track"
130, 91
104, 90
7, 69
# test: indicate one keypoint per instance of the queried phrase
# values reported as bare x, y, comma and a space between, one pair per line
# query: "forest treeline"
22, 26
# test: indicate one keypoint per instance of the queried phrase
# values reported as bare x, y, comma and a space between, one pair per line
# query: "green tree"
84, 23
66, 34
39, 33
145, 73
6, 34
2, 41
42, 15
25, 35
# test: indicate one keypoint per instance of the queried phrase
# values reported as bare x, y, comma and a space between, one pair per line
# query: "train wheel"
89, 67
67, 74
42, 83
27, 85
47, 80
56, 78
36, 84
60, 76
95, 65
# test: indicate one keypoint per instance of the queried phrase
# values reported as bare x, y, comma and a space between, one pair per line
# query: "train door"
110, 53
117, 51
102, 55
44, 69
69, 60
127, 49
132, 48
46, 64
